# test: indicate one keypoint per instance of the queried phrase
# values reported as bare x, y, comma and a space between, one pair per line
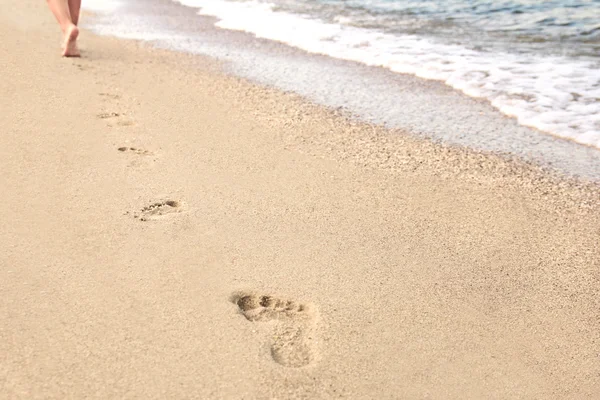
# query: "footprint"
109, 96
158, 210
82, 67
134, 150
293, 339
120, 120
106, 115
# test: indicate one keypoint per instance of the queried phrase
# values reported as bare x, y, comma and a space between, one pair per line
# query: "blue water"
560, 25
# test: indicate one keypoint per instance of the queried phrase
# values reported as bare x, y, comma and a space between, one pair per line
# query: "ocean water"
536, 61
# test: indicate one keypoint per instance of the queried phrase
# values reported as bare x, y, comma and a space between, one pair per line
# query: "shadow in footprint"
293, 339
158, 210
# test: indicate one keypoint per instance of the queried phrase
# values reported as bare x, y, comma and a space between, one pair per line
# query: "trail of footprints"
118, 116
156, 210
112, 117
292, 342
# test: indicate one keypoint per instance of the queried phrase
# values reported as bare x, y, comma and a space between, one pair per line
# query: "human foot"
70, 43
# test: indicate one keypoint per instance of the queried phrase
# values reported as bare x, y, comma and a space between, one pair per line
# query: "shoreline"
174, 231
469, 162
426, 108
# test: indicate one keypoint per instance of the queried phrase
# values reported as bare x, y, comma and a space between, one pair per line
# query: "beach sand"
172, 232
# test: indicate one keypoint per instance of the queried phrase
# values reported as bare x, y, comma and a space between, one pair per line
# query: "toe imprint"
134, 150
255, 307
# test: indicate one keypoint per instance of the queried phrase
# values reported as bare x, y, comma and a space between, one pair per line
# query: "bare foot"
70, 43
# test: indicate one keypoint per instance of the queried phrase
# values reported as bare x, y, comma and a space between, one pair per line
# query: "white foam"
557, 95
102, 6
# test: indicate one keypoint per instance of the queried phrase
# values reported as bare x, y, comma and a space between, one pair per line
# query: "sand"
172, 232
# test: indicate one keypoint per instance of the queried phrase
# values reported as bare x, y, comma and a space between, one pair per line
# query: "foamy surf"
555, 94
101, 5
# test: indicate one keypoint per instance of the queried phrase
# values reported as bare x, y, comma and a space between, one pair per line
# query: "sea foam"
101, 5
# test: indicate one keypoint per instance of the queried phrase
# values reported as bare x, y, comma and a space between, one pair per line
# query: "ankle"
68, 27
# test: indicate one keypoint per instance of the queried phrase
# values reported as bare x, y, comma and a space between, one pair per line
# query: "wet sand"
172, 232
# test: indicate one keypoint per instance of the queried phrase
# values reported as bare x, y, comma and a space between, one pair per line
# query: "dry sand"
171, 232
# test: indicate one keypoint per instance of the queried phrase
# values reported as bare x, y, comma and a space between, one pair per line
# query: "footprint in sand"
134, 150
159, 210
109, 96
106, 115
82, 67
117, 117
293, 341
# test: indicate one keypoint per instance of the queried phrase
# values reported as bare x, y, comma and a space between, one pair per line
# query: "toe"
246, 303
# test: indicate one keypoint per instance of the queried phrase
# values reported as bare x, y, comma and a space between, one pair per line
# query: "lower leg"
74, 6
60, 9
